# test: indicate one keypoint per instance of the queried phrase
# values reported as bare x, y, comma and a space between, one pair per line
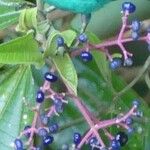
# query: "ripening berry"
115, 63
128, 62
82, 38
53, 128
44, 119
122, 138
77, 138
115, 145
50, 77
136, 103
129, 121
128, 7
135, 35
27, 134
139, 114
40, 96
60, 41
48, 140
135, 26
93, 141
86, 56
42, 132
18, 144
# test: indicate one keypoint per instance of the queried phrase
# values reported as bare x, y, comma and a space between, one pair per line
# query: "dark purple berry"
82, 38
58, 105
53, 128
60, 41
40, 96
28, 133
129, 121
77, 138
48, 140
135, 25
122, 138
135, 36
42, 132
18, 144
128, 62
115, 145
50, 77
128, 7
86, 56
115, 63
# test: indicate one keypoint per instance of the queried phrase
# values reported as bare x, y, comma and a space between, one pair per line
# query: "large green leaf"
17, 84
67, 71
8, 14
22, 50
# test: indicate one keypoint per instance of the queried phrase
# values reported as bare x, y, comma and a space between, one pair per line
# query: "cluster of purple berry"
46, 130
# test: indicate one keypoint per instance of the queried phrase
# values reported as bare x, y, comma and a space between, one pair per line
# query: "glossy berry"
18, 144
93, 141
122, 138
115, 63
86, 56
128, 7
129, 121
44, 119
60, 41
136, 103
53, 128
115, 145
77, 138
50, 77
48, 140
40, 96
128, 62
135, 26
135, 36
28, 133
82, 38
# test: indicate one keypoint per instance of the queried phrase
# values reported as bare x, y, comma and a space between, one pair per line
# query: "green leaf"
8, 16
67, 71
22, 50
68, 35
100, 58
27, 20
17, 85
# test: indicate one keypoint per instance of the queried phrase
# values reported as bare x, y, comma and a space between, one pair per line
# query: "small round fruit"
77, 138
122, 138
135, 25
128, 7
139, 114
135, 36
42, 132
128, 62
27, 134
86, 56
18, 144
93, 142
82, 38
115, 145
40, 96
60, 41
129, 121
44, 119
48, 140
50, 77
115, 63
53, 128
136, 103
